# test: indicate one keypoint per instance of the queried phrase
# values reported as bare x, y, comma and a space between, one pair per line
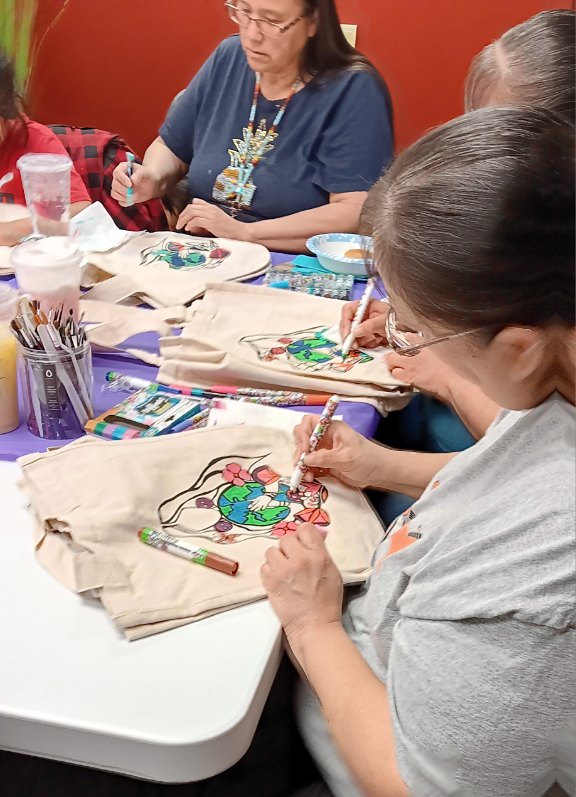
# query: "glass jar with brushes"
55, 371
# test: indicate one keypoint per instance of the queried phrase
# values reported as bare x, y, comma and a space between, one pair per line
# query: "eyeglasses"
266, 28
400, 342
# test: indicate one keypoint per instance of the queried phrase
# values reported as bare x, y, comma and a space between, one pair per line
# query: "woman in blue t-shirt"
282, 131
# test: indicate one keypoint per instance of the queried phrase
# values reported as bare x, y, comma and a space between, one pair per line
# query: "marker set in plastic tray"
331, 286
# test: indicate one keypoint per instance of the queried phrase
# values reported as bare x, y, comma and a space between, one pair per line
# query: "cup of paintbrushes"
56, 385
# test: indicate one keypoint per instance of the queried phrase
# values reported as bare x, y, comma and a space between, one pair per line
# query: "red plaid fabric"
95, 154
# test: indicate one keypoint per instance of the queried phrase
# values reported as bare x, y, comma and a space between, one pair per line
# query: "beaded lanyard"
247, 167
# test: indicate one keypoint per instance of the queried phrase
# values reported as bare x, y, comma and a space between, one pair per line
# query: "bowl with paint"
342, 252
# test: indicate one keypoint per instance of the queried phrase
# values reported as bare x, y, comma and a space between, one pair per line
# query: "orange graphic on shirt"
400, 540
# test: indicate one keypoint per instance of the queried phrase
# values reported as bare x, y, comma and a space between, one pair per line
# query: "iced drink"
49, 270
46, 181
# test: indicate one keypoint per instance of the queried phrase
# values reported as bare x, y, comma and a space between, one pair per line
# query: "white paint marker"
358, 318
319, 431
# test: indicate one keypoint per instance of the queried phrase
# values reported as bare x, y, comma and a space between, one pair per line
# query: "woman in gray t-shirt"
453, 671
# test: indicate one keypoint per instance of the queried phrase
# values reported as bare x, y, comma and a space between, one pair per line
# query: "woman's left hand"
303, 583
201, 216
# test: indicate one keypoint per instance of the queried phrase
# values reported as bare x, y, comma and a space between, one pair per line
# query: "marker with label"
319, 431
129, 172
179, 547
358, 318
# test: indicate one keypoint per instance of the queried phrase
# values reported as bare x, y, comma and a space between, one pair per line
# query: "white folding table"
175, 707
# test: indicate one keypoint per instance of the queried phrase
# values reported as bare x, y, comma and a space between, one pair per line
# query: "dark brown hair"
531, 64
11, 104
473, 225
329, 51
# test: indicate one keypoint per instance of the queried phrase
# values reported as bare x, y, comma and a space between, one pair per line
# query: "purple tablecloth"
362, 417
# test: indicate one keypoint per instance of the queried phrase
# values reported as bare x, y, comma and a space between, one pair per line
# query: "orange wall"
116, 64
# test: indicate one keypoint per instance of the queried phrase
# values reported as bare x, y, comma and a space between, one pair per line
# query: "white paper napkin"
93, 230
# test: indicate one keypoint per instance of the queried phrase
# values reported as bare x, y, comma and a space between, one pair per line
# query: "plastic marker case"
146, 413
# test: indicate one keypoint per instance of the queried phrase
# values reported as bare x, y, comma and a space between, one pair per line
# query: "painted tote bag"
166, 268
261, 337
223, 488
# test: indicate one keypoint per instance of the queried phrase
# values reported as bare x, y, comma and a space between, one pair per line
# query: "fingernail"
323, 530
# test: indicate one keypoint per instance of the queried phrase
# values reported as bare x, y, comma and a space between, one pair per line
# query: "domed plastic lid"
54, 251
44, 162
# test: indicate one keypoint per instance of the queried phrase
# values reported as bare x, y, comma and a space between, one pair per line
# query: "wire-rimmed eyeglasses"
264, 26
402, 344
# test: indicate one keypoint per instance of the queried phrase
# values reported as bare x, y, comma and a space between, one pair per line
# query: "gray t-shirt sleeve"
470, 718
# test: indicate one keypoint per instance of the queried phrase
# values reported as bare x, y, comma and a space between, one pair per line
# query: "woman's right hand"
371, 332
144, 181
342, 453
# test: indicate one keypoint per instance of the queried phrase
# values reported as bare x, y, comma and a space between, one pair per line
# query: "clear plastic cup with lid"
49, 270
46, 182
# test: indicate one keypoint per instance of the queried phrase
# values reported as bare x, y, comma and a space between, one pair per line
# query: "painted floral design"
235, 474
306, 349
235, 499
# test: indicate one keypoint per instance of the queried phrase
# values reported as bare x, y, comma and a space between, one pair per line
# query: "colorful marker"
129, 171
319, 431
279, 398
118, 381
177, 546
194, 421
358, 317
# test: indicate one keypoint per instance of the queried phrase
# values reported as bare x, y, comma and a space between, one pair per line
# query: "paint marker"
129, 171
319, 431
281, 398
256, 395
358, 317
193, 421
177, 546
118, 381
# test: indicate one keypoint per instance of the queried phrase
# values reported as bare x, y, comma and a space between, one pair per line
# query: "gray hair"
473, 225
531, 64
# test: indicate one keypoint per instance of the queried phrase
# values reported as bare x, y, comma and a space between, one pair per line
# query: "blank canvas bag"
166, 268
263, 337
226, 489
110, 325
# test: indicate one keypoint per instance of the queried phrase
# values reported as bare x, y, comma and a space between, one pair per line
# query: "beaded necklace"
247, 163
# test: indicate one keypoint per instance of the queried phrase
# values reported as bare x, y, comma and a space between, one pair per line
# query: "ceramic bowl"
341, 252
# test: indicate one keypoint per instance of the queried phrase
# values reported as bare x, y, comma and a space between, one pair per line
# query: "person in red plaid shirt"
18, 136
95, 154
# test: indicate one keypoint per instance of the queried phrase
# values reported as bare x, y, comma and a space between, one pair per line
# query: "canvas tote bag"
262, 337
166, 268
224, 488
110, 326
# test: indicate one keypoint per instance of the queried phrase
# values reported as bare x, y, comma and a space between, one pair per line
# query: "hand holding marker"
317, 435
129, 171
362, 307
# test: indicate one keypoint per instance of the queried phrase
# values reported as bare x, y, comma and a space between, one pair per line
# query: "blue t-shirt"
335, 137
